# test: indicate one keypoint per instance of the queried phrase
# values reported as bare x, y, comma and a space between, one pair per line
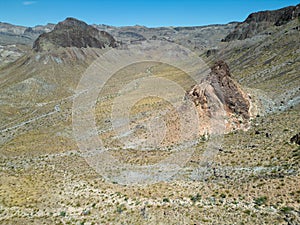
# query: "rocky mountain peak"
70, 23
73, 33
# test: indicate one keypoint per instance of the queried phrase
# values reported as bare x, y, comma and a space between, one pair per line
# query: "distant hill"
12, 34
196, 38
73, 33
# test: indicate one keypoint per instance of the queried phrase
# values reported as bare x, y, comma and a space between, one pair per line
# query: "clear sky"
151, 13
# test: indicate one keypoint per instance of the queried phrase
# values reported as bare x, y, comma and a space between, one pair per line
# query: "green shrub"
195, 198
286, 209
121, 208
222, 195
62, 213
166, 200
247, 211
260, 200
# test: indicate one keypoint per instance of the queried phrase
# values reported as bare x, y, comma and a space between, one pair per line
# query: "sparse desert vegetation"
251, 176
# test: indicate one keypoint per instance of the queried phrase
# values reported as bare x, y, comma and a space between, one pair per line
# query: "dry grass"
254, 179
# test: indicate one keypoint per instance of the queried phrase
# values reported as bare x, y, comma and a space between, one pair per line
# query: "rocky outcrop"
260, 21
219, 94
73, 33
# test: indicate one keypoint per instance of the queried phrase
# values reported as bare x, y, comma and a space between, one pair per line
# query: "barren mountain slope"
268, 64
251, 177
41, 78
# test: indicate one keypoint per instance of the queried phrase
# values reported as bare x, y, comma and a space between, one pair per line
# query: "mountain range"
248, 174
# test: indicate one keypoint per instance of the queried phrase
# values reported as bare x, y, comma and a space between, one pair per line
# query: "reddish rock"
219, 94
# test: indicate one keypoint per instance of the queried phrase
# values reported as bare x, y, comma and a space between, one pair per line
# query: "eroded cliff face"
219, 99
258, 22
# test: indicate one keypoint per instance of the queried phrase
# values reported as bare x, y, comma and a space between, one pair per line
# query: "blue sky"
120, 13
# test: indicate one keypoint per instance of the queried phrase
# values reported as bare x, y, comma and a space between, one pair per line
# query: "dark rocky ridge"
73, 33
260, 21
227, 90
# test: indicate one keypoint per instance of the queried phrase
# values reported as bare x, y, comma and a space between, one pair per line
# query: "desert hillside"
137, 125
